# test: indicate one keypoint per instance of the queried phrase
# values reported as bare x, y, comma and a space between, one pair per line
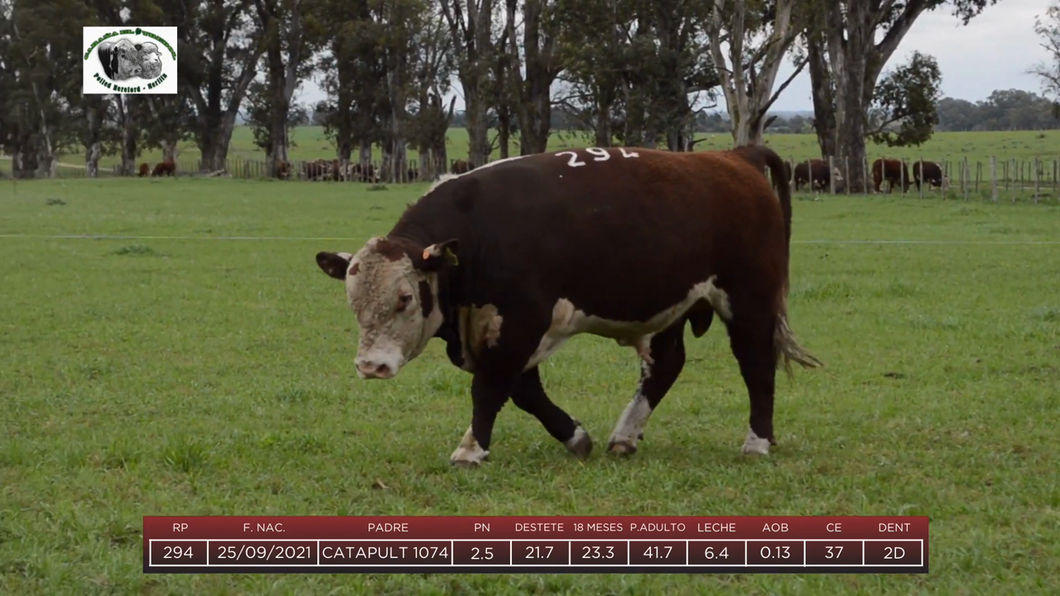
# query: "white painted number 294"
597, 153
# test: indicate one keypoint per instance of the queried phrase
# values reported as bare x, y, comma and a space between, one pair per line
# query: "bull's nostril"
382, 369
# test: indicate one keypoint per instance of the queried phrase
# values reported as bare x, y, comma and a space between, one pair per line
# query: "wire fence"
1036, 179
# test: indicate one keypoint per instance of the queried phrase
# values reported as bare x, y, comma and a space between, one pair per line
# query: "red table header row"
523, 528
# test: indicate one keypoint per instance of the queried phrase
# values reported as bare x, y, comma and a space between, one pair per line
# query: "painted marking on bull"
469, 453
598, 154
754, 445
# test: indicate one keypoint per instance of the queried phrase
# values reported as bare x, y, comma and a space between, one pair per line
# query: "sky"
992, 52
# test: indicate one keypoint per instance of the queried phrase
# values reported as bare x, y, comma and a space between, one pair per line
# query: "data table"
536, 544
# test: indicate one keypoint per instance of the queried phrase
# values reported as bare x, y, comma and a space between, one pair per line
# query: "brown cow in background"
816, 173
283, 170
931, 173
318, 169
145, 169
894, 171
462, 166
164, 168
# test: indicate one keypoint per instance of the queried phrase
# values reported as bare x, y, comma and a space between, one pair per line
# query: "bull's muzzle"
370, 369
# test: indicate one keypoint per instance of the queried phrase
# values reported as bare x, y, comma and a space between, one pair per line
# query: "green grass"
159, 374
944, 146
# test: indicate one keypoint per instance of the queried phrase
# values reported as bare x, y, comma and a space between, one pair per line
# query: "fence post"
978, 174
967, 177
865, 175
919, 176
993, 178
846, 174
831, 178
901, 173
1037, 177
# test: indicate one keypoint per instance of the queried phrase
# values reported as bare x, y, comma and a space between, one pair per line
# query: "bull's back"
651, 225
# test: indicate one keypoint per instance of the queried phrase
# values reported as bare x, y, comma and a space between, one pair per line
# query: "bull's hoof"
622, 447
580, 444
755, 445
465, 457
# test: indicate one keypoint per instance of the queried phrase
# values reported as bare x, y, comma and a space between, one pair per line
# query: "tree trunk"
169, 150
24, 159
93, 146
477, 123
847, 58
603, 134
128, 115
824, 117
504, 127
534, 98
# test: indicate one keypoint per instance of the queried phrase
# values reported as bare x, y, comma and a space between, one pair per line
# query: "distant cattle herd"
814, 172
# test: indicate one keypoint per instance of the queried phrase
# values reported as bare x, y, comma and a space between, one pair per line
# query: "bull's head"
393, 292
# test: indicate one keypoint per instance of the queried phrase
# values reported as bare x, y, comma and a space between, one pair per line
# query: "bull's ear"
334, 264
440, 255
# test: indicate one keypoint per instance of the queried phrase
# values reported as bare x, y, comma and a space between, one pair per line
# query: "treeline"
639, 72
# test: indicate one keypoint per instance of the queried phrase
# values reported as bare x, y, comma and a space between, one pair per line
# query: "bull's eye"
403, 301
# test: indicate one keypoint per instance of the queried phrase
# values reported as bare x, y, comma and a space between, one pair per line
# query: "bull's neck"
418, 228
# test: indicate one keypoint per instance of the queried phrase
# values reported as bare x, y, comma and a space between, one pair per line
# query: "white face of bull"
394, 299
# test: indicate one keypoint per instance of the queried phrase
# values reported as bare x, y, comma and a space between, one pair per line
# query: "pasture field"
944, 146
166, 367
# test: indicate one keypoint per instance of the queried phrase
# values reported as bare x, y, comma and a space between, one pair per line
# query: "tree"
354, 78
219, 47
1048, 28
906, 99
44, 57
471, 29
636, 70
846, 32
164, 122
432, 69
542, 64
288, 33
748, 71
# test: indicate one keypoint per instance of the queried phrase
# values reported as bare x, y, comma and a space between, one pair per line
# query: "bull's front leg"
489, 392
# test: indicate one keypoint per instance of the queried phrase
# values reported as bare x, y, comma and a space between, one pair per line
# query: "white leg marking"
630, 427
580, 444
753, 445
468, 454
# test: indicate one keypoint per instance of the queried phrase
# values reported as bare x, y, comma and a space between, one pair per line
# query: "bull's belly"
568, 320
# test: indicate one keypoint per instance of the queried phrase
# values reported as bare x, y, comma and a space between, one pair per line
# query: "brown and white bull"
509, 261
815, 171
930, 173
894, 171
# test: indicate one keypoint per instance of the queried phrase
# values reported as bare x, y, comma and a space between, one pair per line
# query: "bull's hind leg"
668, 355
751, 339
530, 396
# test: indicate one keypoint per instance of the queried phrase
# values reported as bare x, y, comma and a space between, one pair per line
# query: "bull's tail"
786, 348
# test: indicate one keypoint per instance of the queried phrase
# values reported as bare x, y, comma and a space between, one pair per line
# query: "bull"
815, 171
508, 262
931, 173
894, 171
